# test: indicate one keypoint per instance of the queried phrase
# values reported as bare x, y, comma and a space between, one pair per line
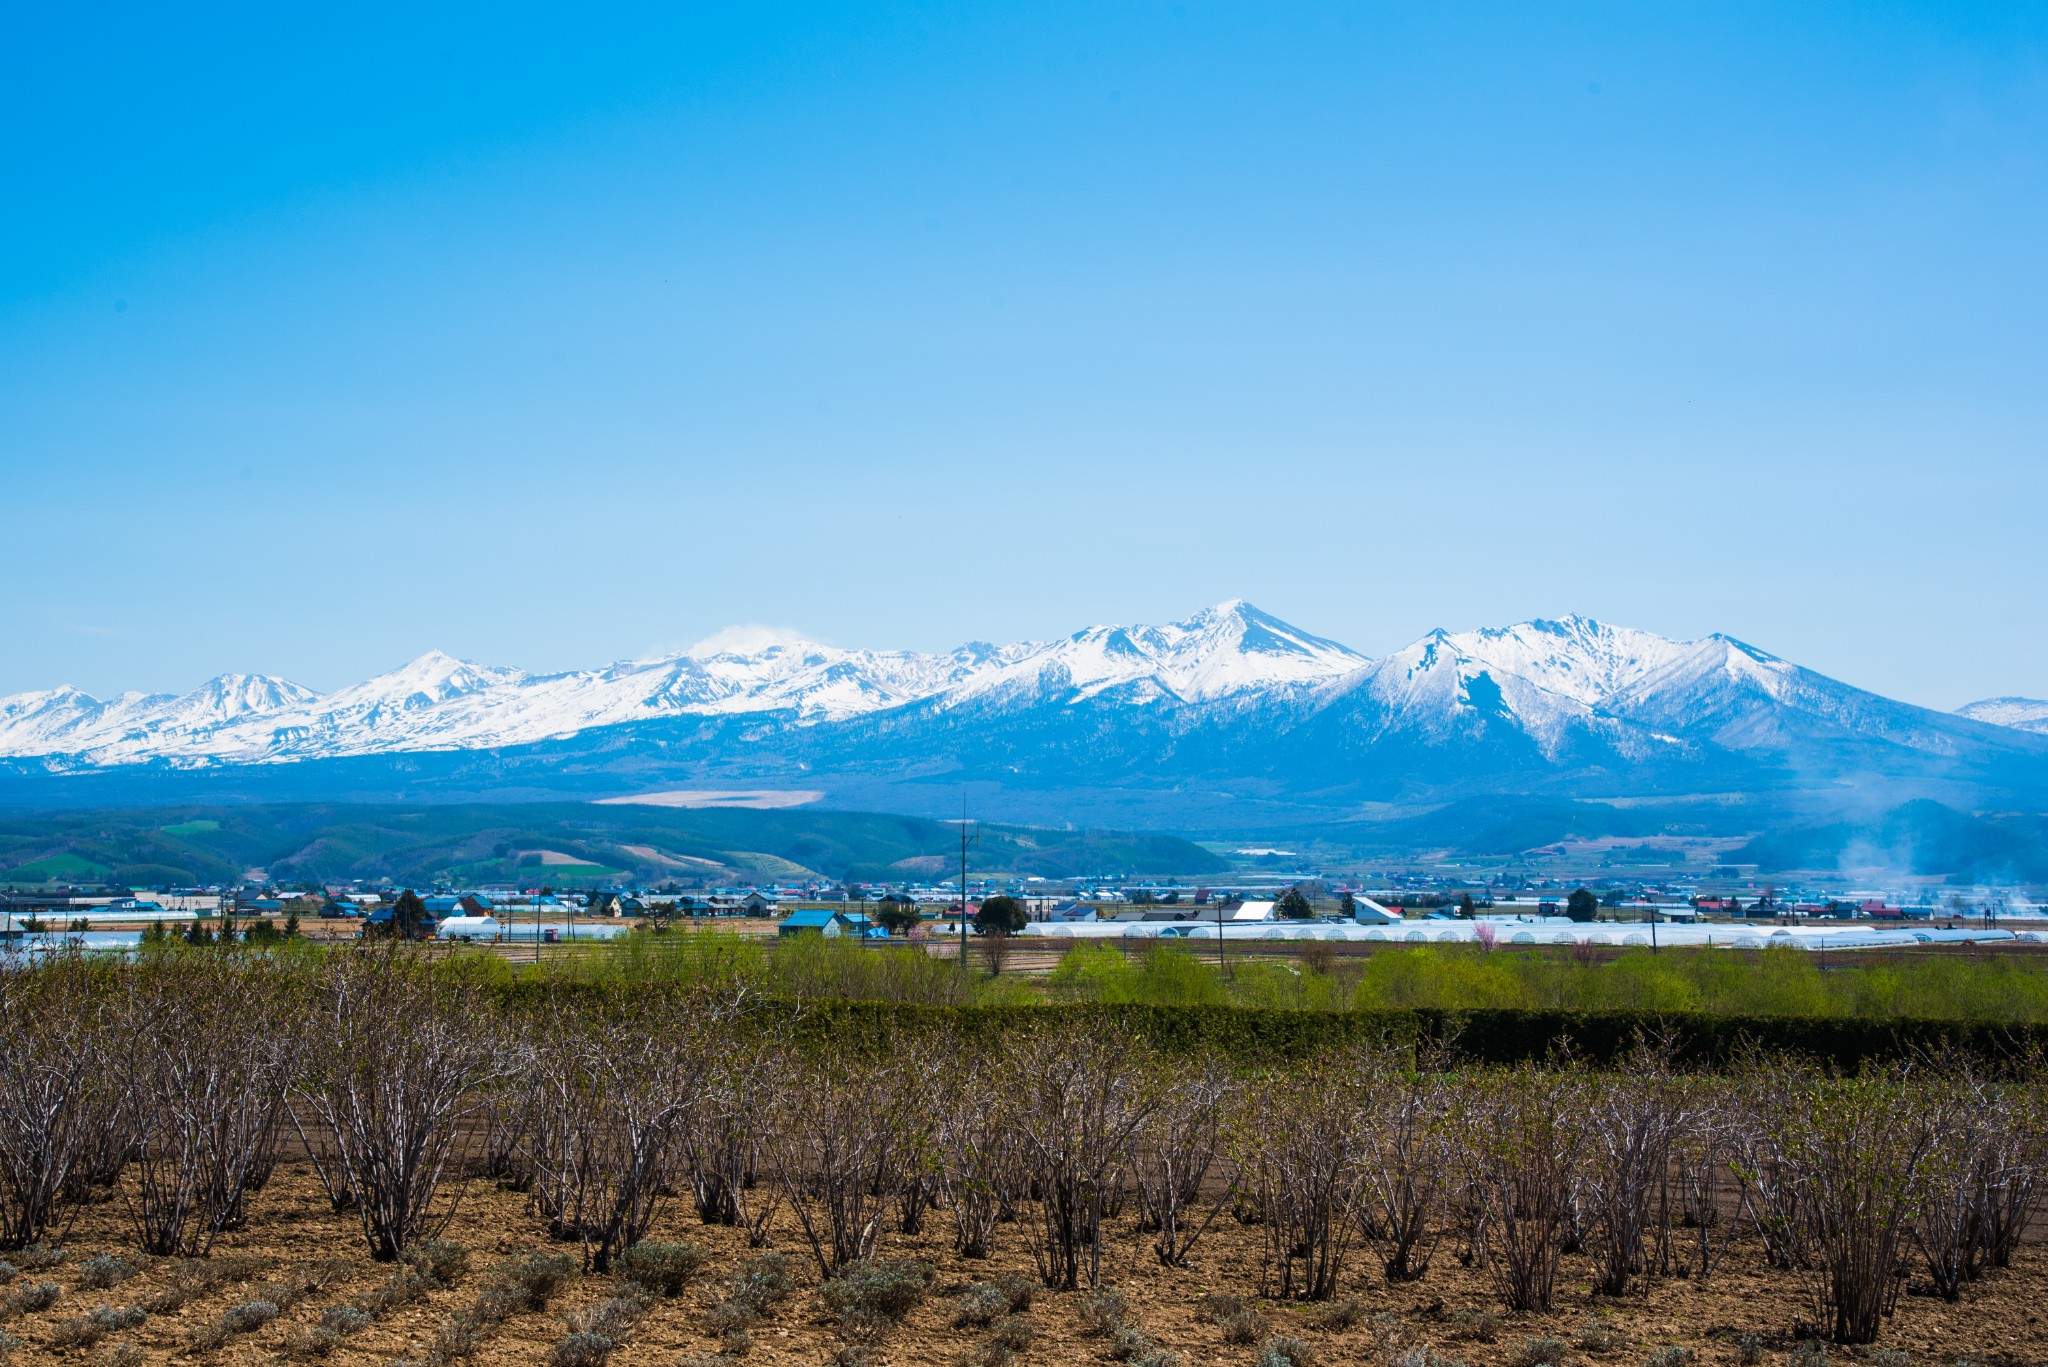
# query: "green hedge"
1503, 1036
1262, 1035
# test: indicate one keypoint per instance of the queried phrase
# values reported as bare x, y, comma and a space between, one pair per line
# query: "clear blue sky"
548, 337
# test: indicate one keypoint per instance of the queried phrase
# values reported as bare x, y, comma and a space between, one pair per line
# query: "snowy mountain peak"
1569, 685
2022, 714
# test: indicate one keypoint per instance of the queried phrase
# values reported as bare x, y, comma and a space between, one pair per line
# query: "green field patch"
531, 875
68, 867
197, 826
773, 866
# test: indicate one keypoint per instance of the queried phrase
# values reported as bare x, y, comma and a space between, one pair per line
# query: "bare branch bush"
2015, 1158
1519, 1146
913, 1168
1079, 1101
609, 1101
1404, 1158
53, 1031
1981, 1173
1173, 1153
1699, 1173
1854, 1149
726, 1126
1763, 1092
831, 1143
209, 1098
1294, 1143
980, 1160
1631, 1116
394, 1074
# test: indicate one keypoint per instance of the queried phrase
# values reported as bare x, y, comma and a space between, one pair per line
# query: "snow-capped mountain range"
437, 702
1231, 696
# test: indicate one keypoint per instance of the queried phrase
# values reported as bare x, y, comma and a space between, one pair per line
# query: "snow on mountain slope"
1570, 690
2022, 714
437, 702
1229, 649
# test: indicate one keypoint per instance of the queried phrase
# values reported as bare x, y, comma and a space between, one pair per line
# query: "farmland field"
235, 1156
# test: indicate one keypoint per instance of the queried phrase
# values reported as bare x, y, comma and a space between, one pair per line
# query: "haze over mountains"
1230, 712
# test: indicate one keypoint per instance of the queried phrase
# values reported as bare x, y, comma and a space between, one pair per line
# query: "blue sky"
548, 337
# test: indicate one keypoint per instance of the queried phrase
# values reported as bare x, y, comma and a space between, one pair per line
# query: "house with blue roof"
831, 924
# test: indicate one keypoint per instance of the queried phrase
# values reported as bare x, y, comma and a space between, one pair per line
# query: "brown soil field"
2002, 1319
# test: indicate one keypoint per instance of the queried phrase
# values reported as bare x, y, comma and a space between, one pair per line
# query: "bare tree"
726, 1130
394, 1075
1853, 1150
1699, 1172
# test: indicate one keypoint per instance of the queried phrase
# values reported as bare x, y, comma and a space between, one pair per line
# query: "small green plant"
458, 1336
245, 1318
344, 1319
521, 1283
104, 1271
1014, 1332
1345, 1312
980, 1306
664, 1269
121, 1355
1476, 1324
1749, 1348
1540, 1351
1595, 1336
442, 1262
1809, 1353
750, 1294
1891, 1357
580, 1350
869, 1296
1671, 1355
1127, 1343
1103, 1311
29, 1298
1283, 1351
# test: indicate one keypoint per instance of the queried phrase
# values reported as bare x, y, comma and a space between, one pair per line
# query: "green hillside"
565, 844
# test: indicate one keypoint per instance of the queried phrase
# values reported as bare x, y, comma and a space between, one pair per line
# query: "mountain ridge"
1230, 704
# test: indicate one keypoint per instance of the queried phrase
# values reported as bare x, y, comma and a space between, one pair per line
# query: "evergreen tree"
1000, 916
1347, 906
1582, 905
409, 916
1295, 907
898, 918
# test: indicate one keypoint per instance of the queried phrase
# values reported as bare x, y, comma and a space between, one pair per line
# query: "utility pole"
963, 880
1221, 967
